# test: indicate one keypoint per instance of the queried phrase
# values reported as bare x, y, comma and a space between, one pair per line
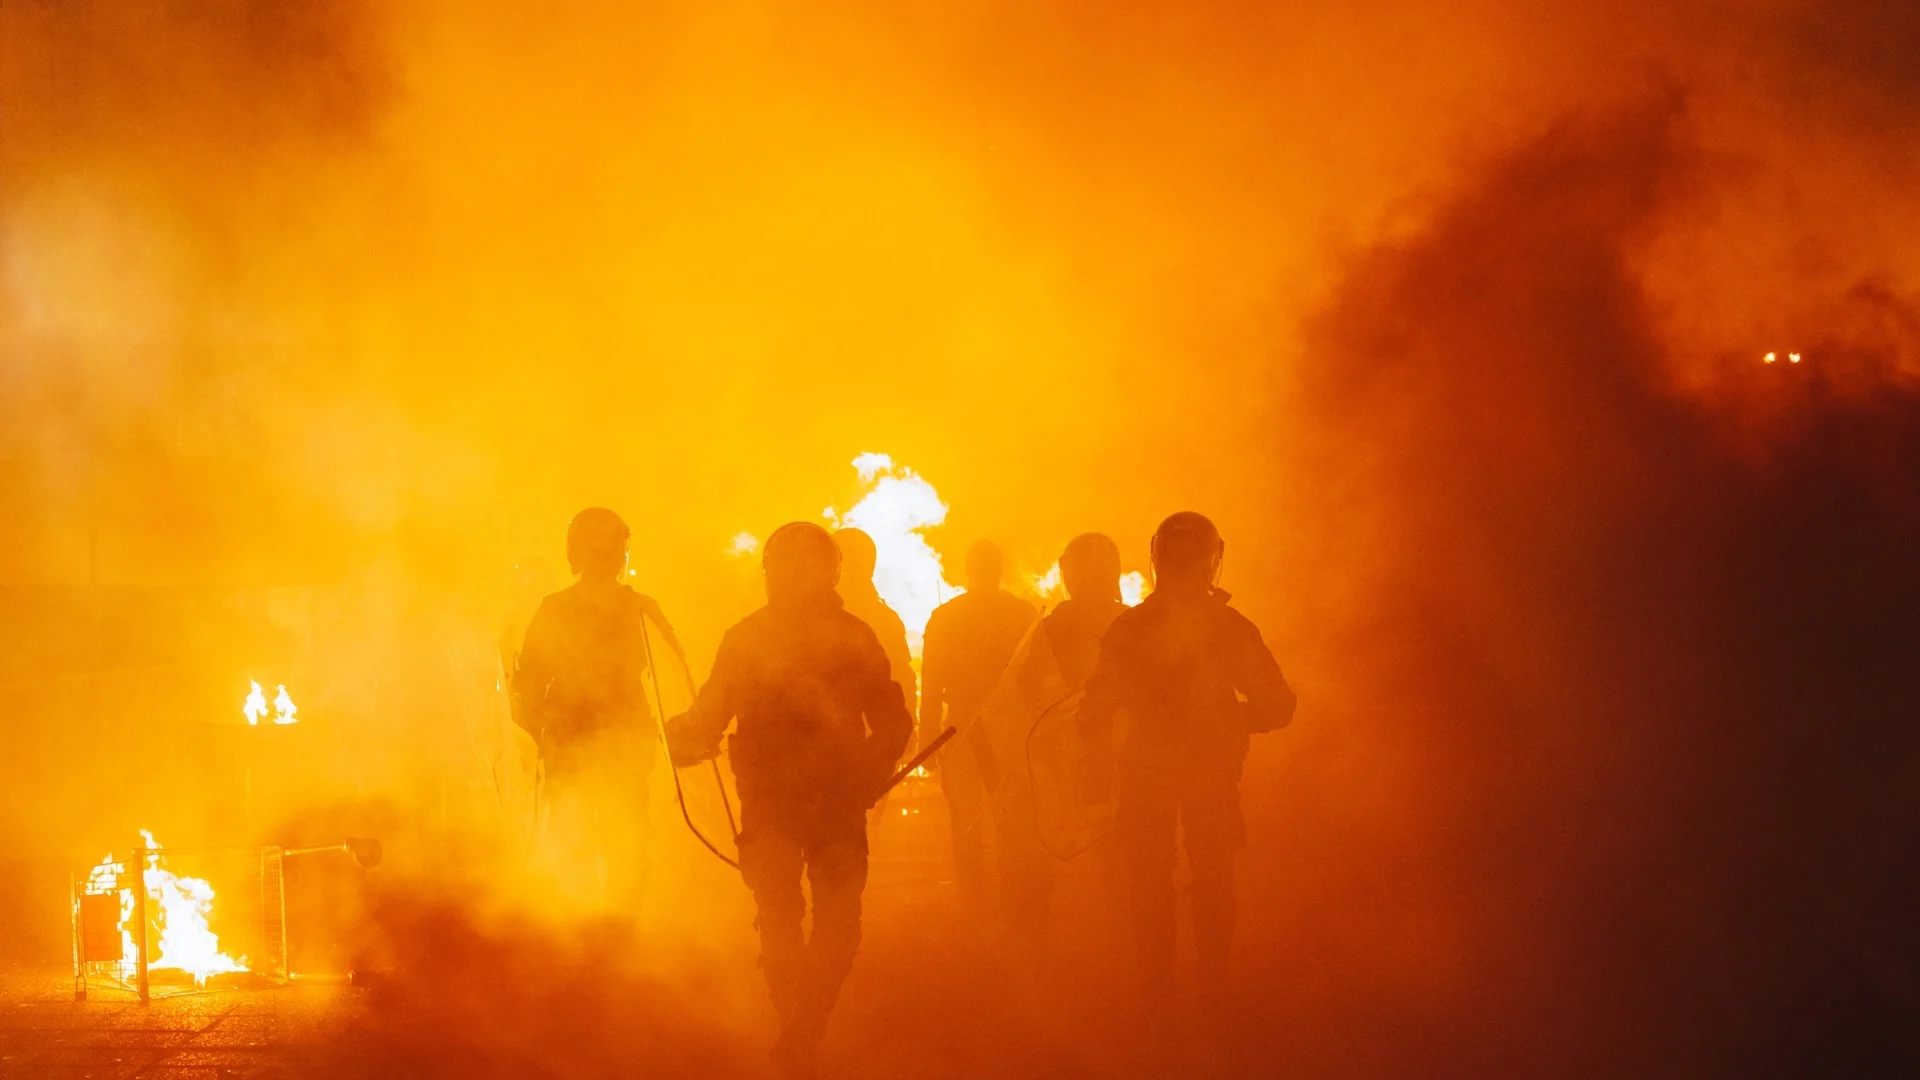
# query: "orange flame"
179, 907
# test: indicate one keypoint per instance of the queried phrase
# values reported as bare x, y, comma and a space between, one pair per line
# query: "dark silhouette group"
818, 688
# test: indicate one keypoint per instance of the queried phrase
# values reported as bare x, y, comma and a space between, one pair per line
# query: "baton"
920, 758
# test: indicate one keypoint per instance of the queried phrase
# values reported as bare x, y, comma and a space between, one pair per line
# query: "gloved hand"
688, 743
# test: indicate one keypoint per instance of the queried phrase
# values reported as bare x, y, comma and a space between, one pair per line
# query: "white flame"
898, 506
179, 907
256, 704
744, 544
284, 710
255, 707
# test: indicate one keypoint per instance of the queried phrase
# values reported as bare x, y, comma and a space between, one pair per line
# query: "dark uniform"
1180, 664
579, 689
1074, 629
968, 643
821, 724
866, 605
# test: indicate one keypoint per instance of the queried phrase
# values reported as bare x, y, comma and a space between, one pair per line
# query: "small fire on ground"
177, 911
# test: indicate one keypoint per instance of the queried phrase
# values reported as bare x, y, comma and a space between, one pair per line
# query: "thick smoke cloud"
1637, 687
1453, 318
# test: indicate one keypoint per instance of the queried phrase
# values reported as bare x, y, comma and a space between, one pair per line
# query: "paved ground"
309, 1029
290, 1031
500, 998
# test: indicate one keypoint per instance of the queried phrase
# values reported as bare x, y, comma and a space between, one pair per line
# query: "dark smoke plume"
1642, 699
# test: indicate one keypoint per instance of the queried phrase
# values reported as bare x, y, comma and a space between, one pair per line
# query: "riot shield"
1044, 766
703, 795
1073, 800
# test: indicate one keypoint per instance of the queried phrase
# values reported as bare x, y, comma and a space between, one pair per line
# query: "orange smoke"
319, 321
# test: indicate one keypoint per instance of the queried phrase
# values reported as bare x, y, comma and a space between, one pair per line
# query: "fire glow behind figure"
1051, 589
898, 505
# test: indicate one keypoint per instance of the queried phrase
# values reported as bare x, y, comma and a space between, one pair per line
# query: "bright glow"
898, 506
256, 704
1051, 589
1768, 359
178, 907
284, 710
1048, 586
1793, 358
744, 544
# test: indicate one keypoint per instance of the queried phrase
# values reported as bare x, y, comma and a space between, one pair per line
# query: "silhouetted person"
821, 725
1180, 664
1090, 569
858, 559
1049, 671
968, 642
579, 689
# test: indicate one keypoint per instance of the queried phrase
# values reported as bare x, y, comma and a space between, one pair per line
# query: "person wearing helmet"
859, 557
821, 724
1050, 670
1195, 680
968, 643
578, 689
1090, 569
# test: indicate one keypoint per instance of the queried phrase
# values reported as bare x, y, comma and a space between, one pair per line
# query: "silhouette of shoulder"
972, 604
1128, 623
885, 613
1217, 608
586, 596
846, 628
862, 636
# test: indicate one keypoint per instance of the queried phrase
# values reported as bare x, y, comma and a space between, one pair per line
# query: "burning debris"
255, 707
177, 913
